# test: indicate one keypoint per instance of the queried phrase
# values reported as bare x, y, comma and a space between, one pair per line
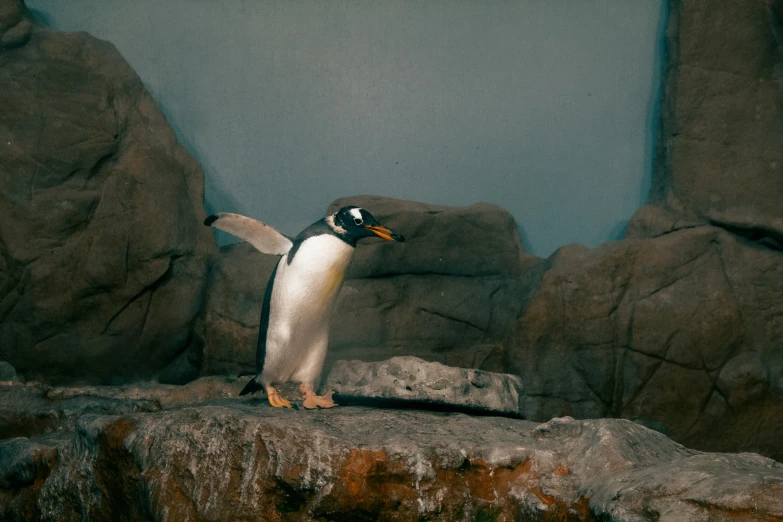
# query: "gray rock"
181, 370
719, 151
21, 458
7, 373
203, 390
718, 162
103, 255
24, 466
652, 221
411, 379
231, 458
156, 456
29, 410
743, 378
448, 294
34, 409
683, 332
15, 28
478, 240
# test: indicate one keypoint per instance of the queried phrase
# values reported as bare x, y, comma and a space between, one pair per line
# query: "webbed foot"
312, 401
275, 399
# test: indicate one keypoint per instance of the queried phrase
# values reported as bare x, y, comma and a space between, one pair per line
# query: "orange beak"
384, 232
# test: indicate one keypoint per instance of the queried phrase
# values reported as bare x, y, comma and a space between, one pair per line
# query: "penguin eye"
358, 221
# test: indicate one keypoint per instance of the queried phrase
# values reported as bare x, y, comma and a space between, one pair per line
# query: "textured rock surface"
198, 452
27, 410
24, 466
448, 294
102, 253
7, 373
410, 379
242, 460
720, 149
680, 326
683, 332
35, 408
479, 240
226, 332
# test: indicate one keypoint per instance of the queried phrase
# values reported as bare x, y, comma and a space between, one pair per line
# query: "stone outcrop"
410, 381
103, 263
720, 147
35, 408
682, 332
27, 410
680, 325
448, 294
25, 463
243, 460
102, 252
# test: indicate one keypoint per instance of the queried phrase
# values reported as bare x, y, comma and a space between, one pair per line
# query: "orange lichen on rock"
235, 462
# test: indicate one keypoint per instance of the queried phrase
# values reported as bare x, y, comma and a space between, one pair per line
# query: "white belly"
303, 297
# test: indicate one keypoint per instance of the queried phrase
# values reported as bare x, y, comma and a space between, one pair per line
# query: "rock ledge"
410, 379
243, 460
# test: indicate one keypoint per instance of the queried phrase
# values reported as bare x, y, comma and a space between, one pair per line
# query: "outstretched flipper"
265, 238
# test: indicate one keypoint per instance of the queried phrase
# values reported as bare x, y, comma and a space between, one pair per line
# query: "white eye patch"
357, 216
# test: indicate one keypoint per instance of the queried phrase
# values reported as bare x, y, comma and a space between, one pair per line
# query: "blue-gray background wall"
545, 107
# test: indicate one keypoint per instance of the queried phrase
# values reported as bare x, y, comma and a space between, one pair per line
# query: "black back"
263, 327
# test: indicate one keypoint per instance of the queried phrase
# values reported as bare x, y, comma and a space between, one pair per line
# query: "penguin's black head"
358, 223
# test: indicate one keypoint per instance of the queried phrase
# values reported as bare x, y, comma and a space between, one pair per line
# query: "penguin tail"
251, 387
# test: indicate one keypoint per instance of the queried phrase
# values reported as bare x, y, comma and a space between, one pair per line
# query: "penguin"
294, 328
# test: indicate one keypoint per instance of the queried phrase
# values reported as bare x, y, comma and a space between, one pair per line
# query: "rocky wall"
102, 254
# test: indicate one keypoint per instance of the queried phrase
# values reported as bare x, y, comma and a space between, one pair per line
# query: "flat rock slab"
413, 380
33, 409
244, 460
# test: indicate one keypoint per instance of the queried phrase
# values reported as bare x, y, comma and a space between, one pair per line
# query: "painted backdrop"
545, 107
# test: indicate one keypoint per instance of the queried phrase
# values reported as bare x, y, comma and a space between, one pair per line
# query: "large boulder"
102, 253
680, 325
683, 332
449, 293
720, 148
478, 240
241, 460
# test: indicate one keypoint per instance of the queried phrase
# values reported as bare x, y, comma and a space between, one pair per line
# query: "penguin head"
358, 223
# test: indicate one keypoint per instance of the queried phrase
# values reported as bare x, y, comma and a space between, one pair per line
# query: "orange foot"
275, 399
312, 401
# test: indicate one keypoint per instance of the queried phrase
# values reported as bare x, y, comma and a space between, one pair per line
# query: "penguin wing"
265, 238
